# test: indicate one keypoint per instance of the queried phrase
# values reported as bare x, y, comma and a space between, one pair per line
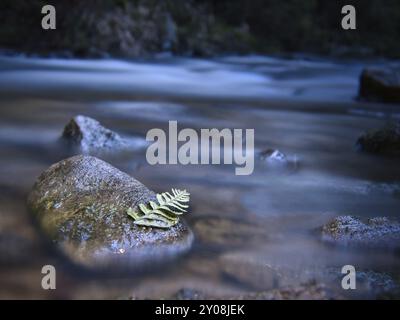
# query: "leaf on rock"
164, 214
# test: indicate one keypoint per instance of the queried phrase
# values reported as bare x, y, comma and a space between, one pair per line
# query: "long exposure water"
306, 108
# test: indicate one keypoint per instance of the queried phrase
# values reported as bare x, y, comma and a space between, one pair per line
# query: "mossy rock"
81, 203
373, 233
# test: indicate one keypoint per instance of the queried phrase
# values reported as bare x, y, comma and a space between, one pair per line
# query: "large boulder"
379, 232
89, 136
380, 85
81, 203
384, 141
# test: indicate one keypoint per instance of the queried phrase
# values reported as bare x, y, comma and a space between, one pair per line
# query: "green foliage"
164, 214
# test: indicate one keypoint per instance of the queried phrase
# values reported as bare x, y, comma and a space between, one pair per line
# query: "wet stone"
81, 203
377, 84
276, 159
249, 270
379, 232
307, 291
385, 141
90, 137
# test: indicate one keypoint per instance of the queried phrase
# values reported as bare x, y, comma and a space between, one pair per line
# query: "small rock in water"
380, 85
375, 282
81, 205
90, 136
306, 291
188, 294
370, 284
379, 232
274, 156
277, 159
382, 141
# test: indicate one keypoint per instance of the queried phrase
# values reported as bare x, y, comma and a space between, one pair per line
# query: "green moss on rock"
81, 205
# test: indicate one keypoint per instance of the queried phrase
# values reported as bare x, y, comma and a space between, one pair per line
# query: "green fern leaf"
153, 223
165, 213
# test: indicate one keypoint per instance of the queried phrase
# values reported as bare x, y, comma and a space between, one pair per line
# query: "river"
304, 107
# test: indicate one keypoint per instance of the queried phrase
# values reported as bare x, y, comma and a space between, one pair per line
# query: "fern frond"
165, 213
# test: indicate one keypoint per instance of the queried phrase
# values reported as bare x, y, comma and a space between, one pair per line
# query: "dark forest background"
201, 28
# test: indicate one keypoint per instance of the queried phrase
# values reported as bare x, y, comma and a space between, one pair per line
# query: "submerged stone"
188, 294
383, 141
250, 270
379, 232
380, 85
90, 136
223, 232
81, 203
306, 291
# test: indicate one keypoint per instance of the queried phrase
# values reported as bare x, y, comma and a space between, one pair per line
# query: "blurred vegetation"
315, 25
207, 27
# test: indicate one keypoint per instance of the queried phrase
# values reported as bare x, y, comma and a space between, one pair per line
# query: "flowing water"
305, 108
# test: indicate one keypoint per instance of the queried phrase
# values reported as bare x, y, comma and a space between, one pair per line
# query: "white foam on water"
143, 109
247, 77
27, 135
216, 81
